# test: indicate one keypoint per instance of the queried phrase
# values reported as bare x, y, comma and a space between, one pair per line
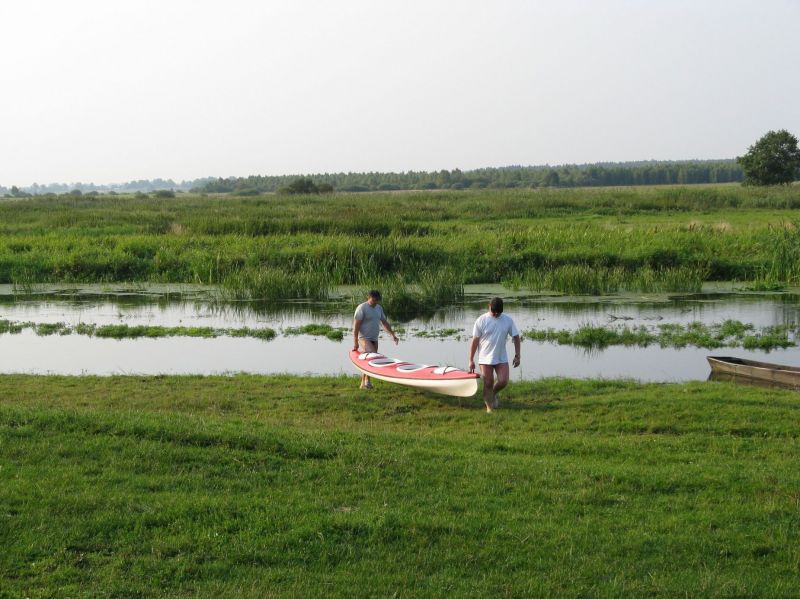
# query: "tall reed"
572, 240
271, 284
584, 279
785, 264
405, 298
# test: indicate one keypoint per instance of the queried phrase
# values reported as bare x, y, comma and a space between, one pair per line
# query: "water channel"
74, 354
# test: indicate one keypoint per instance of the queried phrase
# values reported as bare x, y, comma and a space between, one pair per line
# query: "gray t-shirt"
370, 317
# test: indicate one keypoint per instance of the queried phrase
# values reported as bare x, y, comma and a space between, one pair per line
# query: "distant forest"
141, 185
572, 175
651, 172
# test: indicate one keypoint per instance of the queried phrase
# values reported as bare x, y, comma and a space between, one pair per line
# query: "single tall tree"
301, 185
772, 160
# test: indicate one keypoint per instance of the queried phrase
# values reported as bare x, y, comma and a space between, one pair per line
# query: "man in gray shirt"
366, 326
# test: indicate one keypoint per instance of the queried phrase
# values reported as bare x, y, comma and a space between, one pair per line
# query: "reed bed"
272, 284
730, 333
273, 247
584, 279
11, 327
440, 333
124, 331
405, 301
317, 330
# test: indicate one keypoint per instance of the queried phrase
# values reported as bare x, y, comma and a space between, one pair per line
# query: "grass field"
571, 240
253, 486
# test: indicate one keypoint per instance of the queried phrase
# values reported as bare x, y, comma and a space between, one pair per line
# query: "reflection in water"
727, 377
200, 306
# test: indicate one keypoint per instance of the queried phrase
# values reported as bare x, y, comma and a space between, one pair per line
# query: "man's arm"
515, 339
389, 330
356, 329
473, 345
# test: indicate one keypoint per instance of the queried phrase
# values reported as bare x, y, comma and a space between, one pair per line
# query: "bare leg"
501, 380
487, 372
367, 346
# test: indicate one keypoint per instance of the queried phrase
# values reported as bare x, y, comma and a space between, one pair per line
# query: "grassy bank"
278, 486
571, 240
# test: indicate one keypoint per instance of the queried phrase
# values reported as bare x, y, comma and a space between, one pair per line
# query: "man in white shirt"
366, 320
490, 333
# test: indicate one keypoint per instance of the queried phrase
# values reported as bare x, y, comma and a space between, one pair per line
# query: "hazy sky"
109, 91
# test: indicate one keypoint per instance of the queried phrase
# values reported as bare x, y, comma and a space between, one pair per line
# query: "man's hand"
355, 347
395, 339
516, 360
472, 365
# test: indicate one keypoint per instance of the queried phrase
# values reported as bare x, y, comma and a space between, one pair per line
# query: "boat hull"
751, 369
445, 380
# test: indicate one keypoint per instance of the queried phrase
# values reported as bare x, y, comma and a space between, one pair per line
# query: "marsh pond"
119, 329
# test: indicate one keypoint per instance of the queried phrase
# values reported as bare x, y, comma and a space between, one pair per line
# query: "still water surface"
194, 306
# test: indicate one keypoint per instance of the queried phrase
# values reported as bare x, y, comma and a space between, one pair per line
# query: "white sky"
109, 90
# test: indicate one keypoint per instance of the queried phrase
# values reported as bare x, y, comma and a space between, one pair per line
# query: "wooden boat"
750, 369
446, 380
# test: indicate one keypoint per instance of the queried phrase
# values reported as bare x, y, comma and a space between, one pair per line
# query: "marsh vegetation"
424, 246
731, 333
125, 331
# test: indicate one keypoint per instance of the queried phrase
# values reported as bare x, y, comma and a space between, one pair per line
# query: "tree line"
581, 175
772, 160
139, 185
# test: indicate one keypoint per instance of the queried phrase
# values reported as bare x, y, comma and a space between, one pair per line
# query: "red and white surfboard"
446, 380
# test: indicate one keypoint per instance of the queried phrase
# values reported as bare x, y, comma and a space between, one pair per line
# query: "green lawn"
253, 486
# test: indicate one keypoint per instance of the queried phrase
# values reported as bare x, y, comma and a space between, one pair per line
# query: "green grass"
272, 284
317, 330
585, 279
126, 331
425, 244
46, 329
730, 333
253, 486
12, 327
439, 333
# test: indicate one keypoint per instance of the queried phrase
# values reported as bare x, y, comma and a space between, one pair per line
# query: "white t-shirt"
492, 334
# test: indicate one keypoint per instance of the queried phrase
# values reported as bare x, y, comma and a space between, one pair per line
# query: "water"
195, 306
